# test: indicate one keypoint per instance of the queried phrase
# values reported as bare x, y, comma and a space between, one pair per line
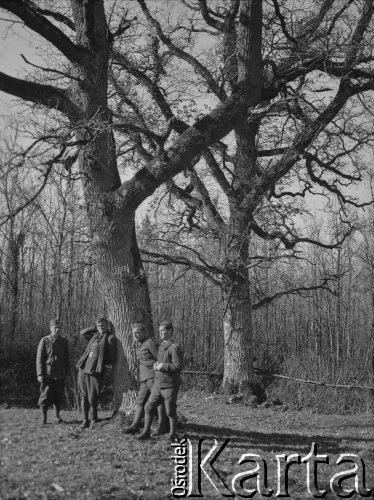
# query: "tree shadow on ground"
273, 440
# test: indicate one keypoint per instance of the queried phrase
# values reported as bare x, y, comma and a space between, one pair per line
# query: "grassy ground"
60, 461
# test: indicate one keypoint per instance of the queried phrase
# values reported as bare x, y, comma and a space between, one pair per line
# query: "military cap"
167, 324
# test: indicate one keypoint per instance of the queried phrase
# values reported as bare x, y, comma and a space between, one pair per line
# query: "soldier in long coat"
98, 356
52, 368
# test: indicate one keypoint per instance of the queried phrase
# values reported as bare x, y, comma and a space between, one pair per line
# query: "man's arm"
87, 333
176, 361
153, 348
41, 356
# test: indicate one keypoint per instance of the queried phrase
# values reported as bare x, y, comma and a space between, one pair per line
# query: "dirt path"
59, 461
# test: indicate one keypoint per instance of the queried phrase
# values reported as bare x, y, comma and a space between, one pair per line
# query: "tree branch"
214, 23
165, 259
358, 35
292, 240
46, 174
307, 136
218, 174
294, 291
61, 18
195, 63
332, 189
28, 12
282, 21
51, 70
189, 144
210, 210
328, 166
47, 95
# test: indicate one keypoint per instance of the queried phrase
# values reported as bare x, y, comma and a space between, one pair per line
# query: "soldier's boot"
44, 414
135, 425
162, 426
94, 419
85, 408
146, 433
58, 419
173, 421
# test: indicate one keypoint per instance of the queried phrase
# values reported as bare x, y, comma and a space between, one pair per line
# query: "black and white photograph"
186, 249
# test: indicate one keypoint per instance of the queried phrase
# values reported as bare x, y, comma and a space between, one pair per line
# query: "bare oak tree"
82, 35
311, 75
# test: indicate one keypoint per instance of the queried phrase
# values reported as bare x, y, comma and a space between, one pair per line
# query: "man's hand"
40, 378
157, 367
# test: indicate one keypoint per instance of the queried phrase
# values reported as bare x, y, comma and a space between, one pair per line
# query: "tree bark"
124, 280
237, 322
238, 333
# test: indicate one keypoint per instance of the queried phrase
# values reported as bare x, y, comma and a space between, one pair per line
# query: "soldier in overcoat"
167, 381
99, 356
147, 355
52, 368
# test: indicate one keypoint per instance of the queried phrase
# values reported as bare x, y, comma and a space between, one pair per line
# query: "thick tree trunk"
238, 332
125, 284
237, 322
121, 274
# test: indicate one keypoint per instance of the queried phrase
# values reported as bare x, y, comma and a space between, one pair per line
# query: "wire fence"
286, 377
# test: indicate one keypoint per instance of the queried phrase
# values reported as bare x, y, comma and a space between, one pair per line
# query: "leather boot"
44, 414
146, 433
94, 419
173, 421
58, 419
135, 425
85, 407
162, 426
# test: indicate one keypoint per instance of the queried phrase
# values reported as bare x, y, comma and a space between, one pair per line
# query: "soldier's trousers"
145, 388
89, 386
168, 395
51, 392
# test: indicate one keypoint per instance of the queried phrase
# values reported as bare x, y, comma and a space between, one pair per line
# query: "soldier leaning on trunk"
98, 356
52, 368
147, 356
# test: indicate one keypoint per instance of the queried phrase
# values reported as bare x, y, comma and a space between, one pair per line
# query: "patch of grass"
59, 461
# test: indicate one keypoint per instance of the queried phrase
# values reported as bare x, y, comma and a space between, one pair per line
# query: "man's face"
55, 330
102, 326
165, 333
139, 333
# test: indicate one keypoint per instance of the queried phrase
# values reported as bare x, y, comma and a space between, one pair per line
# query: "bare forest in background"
323, 334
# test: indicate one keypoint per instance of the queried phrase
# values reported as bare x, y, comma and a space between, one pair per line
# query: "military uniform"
167, 380
100, 352
53, 364
147, 355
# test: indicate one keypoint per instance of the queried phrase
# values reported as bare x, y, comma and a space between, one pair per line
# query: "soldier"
52, 367
99, 355
166, 382
147, 355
